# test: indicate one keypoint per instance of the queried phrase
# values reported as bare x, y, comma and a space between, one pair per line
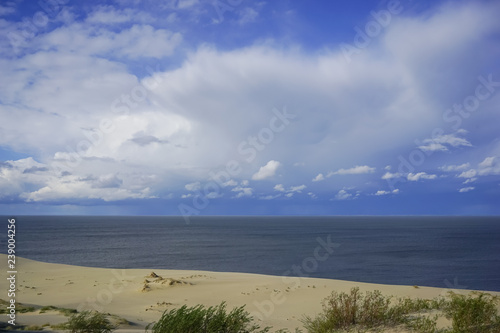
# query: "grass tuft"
89, 322
200, 319
476, 313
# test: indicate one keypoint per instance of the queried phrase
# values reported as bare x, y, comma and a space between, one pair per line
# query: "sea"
443, 252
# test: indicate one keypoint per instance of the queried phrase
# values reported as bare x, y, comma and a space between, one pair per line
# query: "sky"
239, 107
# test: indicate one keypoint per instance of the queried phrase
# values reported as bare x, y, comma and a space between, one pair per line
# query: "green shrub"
47, 308
199, 319
342, 312
475, 313
20, 308
89, 322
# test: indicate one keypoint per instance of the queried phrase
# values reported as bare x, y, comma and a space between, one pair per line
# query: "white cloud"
450, 168
343, 195
69, 79
243, 191
414, 177
382, 192
109, 15
291, 190
489, 166
357, 170
214, 195
279, 188
270, 197
319, 178
433, 146
298, 189
267, 171
466, 189
389, 175
193, 187
439, 143
468, 174
470, 180
231, 182
245, 182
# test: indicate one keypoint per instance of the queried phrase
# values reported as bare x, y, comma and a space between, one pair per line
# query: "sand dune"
141, 295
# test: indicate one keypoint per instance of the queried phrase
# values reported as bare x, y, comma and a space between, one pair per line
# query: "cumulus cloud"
442, 142
188, 118
415, 177
389, 175
291, 190
382, 192
489, 166
109, 15
450, 168
357, 170
243, 191
299, 188
468, 174
232, 182
470, 180
318, 178
343, 195
267, 171
193, 187
466, 189
279, 188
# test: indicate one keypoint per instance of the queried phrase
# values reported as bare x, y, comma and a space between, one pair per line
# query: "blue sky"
193, 107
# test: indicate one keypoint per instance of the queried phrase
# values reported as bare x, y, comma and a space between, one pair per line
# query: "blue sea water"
456, 252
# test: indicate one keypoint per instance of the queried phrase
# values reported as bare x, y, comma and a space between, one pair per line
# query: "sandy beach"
141, 295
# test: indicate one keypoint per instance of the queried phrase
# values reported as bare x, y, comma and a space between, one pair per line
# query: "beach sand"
139, 297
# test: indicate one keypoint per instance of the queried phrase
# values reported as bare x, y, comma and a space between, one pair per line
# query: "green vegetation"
63, 311
89, 322
200, 319
20, 308
342, 312
476, 313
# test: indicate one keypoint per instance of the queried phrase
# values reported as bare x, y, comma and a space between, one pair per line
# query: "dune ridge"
138, 297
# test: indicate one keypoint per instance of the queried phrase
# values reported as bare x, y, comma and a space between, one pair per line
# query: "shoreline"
140, 297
